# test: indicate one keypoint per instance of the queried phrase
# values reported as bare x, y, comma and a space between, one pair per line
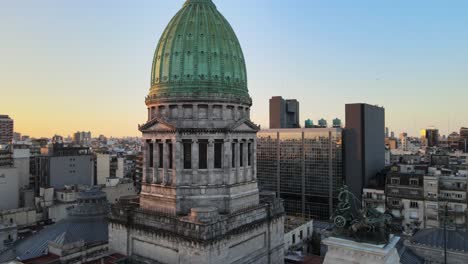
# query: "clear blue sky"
85, 65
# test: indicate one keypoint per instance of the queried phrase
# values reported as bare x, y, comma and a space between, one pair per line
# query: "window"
233, 155
161, 155
187, 155
151, 153
395, 181
308, 231
241, 154
169, 145
202, 154
300, 235
380, 196
414, 182
459, 196
369, 195
249, 154
414, 215
395, 202
395, 191
414, 204
294, 238
218, 154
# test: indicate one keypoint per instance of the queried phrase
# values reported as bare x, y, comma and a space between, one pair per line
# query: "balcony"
452, 212
375, 200
452, 200
397, 207
453, 188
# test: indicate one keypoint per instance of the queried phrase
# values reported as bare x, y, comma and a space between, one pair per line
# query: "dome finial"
198, 2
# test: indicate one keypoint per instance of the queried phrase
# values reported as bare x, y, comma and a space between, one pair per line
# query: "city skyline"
61, 72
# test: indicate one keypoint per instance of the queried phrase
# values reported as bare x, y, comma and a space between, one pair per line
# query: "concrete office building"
284, 113
21, 161
303, 166
108, 166
9, 191
199, 201
6, 130
63, 166
364, 141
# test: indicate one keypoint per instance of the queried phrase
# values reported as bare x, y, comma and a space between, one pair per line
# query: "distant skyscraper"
387, 133
430, 137
392, 134
309, 123
464, 139
6, 130
364, 142
337, 123
284, 113
303, 166
323, 123
82, 138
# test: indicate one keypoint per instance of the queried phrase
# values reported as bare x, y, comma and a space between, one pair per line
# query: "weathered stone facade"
199, 201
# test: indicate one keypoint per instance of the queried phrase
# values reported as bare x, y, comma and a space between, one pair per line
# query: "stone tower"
199, 202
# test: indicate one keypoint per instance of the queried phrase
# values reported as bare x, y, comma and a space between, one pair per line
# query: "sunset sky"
85, 65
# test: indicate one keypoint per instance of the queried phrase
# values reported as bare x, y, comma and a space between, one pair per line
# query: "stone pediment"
156, 125
244, 125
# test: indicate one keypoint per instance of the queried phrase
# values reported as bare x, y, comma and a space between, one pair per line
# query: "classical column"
177, 160
210, 112
210, 179
195, 180
158, 173
227, 179
155, 161
237, 157
165, 178
146, 166
195, 113
245, 161
254, 159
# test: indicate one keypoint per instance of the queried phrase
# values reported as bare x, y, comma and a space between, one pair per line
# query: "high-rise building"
387, 132
199, 201
303, 166
284, 113
464, 139
364, 141
82, 138
62, 166
431, 137
6, 130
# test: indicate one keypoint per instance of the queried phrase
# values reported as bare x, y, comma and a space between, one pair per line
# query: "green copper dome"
198, 57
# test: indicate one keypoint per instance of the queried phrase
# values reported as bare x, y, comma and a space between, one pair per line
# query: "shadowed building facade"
284, 113
199, 201
364, 141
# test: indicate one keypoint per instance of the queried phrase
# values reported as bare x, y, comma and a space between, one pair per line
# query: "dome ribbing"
199, 56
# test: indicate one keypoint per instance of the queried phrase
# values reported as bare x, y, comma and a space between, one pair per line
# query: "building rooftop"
434, 237
87, 223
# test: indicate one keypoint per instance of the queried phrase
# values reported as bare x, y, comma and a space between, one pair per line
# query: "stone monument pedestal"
344, 251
